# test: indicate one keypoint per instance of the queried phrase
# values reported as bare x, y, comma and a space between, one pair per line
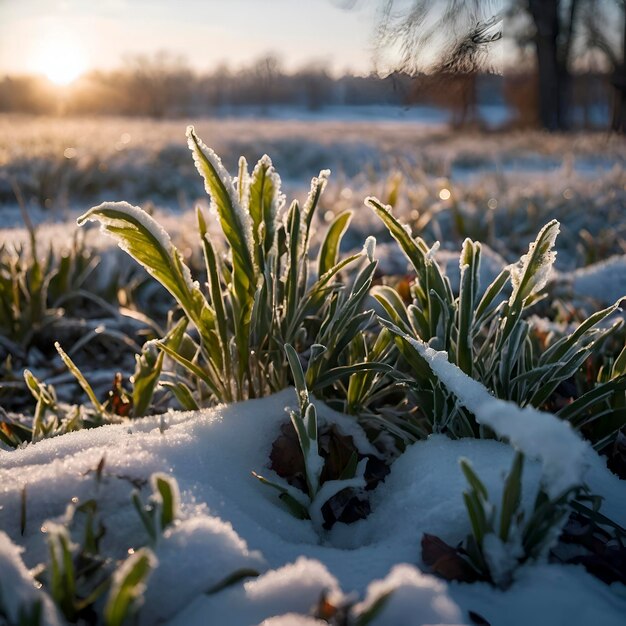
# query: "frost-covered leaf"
235, 221
145, 240
531, 274
265, 202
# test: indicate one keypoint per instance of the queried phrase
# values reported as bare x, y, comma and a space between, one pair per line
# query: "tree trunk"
552, 71
618, 121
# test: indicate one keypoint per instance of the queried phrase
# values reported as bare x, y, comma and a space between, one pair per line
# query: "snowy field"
500, 188
89, 535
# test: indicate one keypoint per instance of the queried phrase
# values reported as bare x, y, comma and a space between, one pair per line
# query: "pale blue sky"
205, 32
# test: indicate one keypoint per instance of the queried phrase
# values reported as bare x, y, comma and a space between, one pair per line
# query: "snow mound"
411, 598
604, 281
294, 588
217, 551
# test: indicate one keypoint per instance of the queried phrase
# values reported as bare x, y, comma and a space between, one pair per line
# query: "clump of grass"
503, 537
490, 337
309, 505
263, 294
64, 294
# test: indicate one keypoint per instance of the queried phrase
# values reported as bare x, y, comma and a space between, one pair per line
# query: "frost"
99, 214
318, 184
535, 266
370, 248
375, 201
242, 183
196, 145
430, 255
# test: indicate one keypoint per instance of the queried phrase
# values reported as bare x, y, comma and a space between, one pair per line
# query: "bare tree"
450, 35
554, 28
156, 85
444, 45
455, 36
613, 46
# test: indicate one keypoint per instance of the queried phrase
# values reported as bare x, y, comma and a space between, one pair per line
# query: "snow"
604, 281
294, 588
217, 550
17, 591
536, 433
415, 599
229, 521
501, 557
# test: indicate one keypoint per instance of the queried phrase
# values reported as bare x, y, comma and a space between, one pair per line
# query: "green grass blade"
216, 294
182, 394
397, 231
329, 251
265, 202
148, 366
128, 585
235, 221
167, 488
511, 496
335, 374
469, 264
82, 381
318, 184
298, 376
192, 368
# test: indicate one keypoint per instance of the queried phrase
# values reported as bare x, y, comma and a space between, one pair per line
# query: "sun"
60, 59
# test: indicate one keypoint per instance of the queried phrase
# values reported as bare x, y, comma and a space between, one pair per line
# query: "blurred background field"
498, 187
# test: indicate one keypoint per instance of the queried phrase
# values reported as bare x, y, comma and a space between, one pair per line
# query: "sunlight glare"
60, 59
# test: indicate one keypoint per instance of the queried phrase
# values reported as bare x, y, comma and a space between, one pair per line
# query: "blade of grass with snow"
234, 220
143, 239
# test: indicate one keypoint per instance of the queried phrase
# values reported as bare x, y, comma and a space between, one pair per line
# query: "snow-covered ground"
229, 521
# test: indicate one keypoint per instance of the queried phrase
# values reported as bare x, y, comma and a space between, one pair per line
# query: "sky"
87, 34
